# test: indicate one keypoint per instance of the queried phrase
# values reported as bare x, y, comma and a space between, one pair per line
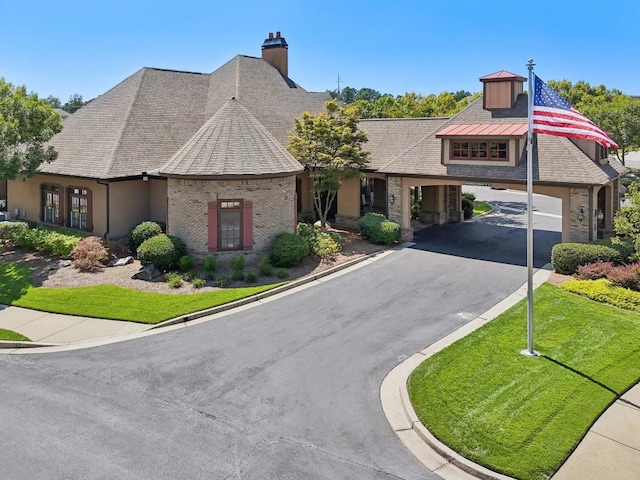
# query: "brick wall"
273, 208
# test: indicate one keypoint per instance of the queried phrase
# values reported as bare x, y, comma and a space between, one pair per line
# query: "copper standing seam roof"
484, 130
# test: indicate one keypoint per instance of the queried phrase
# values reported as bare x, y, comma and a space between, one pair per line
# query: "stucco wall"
129, 206
274, 208
25, 196
158, 199
349, 204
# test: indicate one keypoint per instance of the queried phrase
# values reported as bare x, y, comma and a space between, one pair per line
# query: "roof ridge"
126, 122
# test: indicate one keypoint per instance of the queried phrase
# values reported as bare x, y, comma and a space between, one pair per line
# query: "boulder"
147, 272
118, 262
60, 264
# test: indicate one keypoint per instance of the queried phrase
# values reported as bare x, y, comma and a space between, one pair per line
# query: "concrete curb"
10, 347
275, 291
435, 455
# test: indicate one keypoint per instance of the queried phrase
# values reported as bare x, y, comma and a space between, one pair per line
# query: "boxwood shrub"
377, 229
141, 232
288, 250
567, 257
163, 251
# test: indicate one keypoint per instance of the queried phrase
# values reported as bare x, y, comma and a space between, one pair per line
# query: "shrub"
251, 277
467, 208
567, 257
224, 280
198, 282
326, 245
185, 263
159, 251
89, 254
377, 229
469, 196
594, 271
282, 273
179, 245
264, 266
52, 240
238, 263
173, 280
237, 276
602, 291
288, 250
307, 232
625, 276
8, 229
141, 232
209, 264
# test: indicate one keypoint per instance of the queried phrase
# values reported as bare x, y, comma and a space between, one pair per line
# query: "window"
489, 150
50, 204
230, 225
79, 208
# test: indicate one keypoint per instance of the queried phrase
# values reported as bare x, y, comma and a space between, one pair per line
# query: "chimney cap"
501, 76
277, 42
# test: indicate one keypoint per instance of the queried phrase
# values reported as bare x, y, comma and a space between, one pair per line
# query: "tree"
74, 103
626, 222
53, 101
26, 123
329, 145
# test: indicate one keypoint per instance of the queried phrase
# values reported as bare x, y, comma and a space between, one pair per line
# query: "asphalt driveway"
287, 389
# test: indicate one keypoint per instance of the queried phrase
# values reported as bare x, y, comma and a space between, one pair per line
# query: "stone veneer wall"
454, 203
579, 231
394, 190
274, 208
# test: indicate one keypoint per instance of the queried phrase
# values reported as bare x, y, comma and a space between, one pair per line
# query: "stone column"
579, 206
454, 203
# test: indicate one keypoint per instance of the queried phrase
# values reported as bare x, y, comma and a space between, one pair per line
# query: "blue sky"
64, 47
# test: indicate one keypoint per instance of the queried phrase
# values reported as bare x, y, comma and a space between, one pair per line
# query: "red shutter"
213, 226
247, 225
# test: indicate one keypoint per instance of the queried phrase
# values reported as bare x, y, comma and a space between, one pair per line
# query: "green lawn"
480, 207
110, 301
519, 415
13, 336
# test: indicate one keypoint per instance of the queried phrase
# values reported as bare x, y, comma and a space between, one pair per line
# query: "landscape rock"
118, 262
147, 272
60, 264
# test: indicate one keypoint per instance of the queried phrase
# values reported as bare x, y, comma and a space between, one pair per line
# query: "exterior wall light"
600, 216
392, 199
580, 215
145, 177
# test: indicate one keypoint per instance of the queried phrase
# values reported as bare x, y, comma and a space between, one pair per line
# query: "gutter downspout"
106, 184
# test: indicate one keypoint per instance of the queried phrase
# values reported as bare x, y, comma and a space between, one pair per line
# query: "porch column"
578, 214
398, 206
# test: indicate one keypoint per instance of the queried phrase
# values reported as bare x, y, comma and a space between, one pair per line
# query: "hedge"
567, 257
377, 229
288, 250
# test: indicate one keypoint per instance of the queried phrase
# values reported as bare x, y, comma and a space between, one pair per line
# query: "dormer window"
497, 150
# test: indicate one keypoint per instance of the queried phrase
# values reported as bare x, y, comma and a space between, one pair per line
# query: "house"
205, 153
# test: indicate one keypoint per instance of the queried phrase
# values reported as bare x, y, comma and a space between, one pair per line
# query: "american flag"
553, 115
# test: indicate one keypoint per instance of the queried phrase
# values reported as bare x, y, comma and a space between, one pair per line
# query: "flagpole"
530, 351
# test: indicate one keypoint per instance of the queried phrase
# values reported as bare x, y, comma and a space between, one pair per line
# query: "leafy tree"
626, 223
75, 102
329, 145
53, 101
610, 109
26, 123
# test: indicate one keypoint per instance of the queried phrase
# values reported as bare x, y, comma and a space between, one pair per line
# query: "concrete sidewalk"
610, 450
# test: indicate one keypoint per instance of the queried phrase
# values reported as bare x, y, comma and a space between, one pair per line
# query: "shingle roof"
390, 137
232, 143
558, 159
139, 124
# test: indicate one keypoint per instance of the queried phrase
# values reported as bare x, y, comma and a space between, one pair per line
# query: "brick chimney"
501, 89
275, 51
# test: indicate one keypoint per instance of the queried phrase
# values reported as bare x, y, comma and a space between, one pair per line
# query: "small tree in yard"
329, 145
